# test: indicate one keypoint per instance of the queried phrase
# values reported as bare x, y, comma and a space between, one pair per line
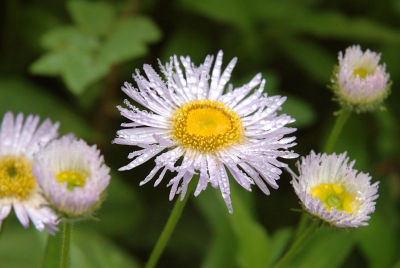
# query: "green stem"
57, 248
298, 243
304, 220
337, 128
169, 228
66, 241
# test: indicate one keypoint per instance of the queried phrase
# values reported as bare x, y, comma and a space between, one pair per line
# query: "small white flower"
332, 190
196, 126
73, 176
360, 81
19, 141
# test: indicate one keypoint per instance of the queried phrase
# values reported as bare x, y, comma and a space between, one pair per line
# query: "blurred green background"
68, 59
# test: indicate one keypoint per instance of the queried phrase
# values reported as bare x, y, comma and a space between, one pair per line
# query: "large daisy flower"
196, 126
332, 190
360, 81
19, 141
73, 176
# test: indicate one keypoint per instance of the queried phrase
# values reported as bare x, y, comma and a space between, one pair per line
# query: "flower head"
360, 81
19, 141
73, 176
196, 126
332, 190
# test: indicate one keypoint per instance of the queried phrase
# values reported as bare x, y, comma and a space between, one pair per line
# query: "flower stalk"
341, 119
57, 252
303, 233
169, 227
65, 244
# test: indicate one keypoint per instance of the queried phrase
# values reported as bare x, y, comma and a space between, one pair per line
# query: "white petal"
21, 215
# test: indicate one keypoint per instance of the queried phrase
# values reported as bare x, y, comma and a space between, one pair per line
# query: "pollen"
206, 126
334, 195
16, 180
72, 178
361, 72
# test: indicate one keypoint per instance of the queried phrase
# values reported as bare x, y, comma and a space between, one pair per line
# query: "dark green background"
68, 59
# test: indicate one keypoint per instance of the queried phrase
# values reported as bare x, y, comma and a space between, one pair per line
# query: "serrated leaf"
92, 17
73, 56
51, 63
129, 38
81, 69
68, 38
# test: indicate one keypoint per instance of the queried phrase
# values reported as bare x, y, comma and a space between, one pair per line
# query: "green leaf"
300, 110
92, 17
379, 240
279, 241
90, 249
129, 38
25, 248
223, 243
327, 248
333, 24
253, 241
81, 69
68, 38
20, 248
48, 64
73, 56
18, 95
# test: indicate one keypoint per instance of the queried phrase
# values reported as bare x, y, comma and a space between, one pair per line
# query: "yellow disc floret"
335, 195
361, 72
206, 126
16, 180
73, 178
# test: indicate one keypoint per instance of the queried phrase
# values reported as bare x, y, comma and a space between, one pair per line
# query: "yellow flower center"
361, 72
333, 195
73, 178
16, 178
206, 126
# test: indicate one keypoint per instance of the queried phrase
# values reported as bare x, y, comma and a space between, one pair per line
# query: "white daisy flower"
360, 81
73, 176
196, 126
332, 190
19, 141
